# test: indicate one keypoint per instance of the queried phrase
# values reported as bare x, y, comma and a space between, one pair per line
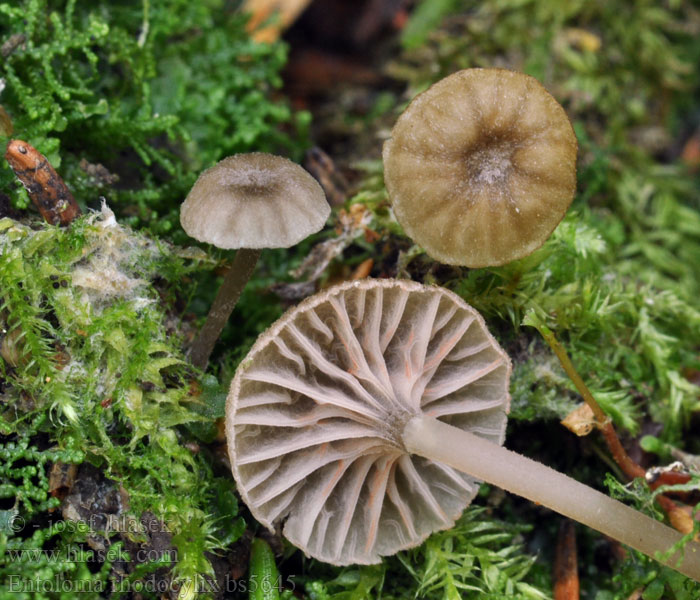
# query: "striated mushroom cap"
481, 167
254, 200
316, 411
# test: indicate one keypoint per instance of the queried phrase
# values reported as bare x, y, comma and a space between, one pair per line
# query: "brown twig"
45, 187
603, 422
566, 583
671, 478
677, 516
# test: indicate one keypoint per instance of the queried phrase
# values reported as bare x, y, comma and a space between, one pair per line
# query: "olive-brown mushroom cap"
481, 167
316, 411
254, 200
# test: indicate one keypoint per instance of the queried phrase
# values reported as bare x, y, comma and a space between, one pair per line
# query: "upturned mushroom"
481, 167
249, 202
366, 416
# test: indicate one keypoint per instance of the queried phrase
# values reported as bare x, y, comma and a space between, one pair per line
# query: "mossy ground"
94, 318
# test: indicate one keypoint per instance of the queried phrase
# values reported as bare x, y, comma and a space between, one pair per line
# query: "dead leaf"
333, 182
580, 421
363, 269
281, 12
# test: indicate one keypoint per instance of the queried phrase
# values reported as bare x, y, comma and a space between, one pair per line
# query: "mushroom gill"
316, 412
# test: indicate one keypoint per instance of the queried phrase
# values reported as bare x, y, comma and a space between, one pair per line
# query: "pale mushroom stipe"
364, 419
481, 167
250, 202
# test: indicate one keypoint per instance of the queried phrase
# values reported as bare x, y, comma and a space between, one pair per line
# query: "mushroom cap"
254, 200
316, 411
481, 167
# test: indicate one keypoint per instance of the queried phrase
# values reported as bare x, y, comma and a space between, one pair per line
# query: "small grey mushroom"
249, 202
365, 418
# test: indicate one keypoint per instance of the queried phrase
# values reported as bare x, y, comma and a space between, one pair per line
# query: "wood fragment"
61, 479
262, 11
566, 582
47, 190
14, 42
333, 182
349, 226
363, 269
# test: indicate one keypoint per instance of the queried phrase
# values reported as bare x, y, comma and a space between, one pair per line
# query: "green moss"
92, 362
154, 91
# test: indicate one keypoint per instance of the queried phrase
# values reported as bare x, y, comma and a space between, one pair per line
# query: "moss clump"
92, 370
133, 99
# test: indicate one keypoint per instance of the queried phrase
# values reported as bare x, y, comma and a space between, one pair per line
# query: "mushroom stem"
226, 298
519, 475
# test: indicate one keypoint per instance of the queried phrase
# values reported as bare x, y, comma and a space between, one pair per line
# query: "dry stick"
630, 468
45, 187
226, 298
566, 582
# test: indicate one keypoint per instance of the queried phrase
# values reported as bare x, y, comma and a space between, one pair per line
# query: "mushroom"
481, 167
366, 416
250, 202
